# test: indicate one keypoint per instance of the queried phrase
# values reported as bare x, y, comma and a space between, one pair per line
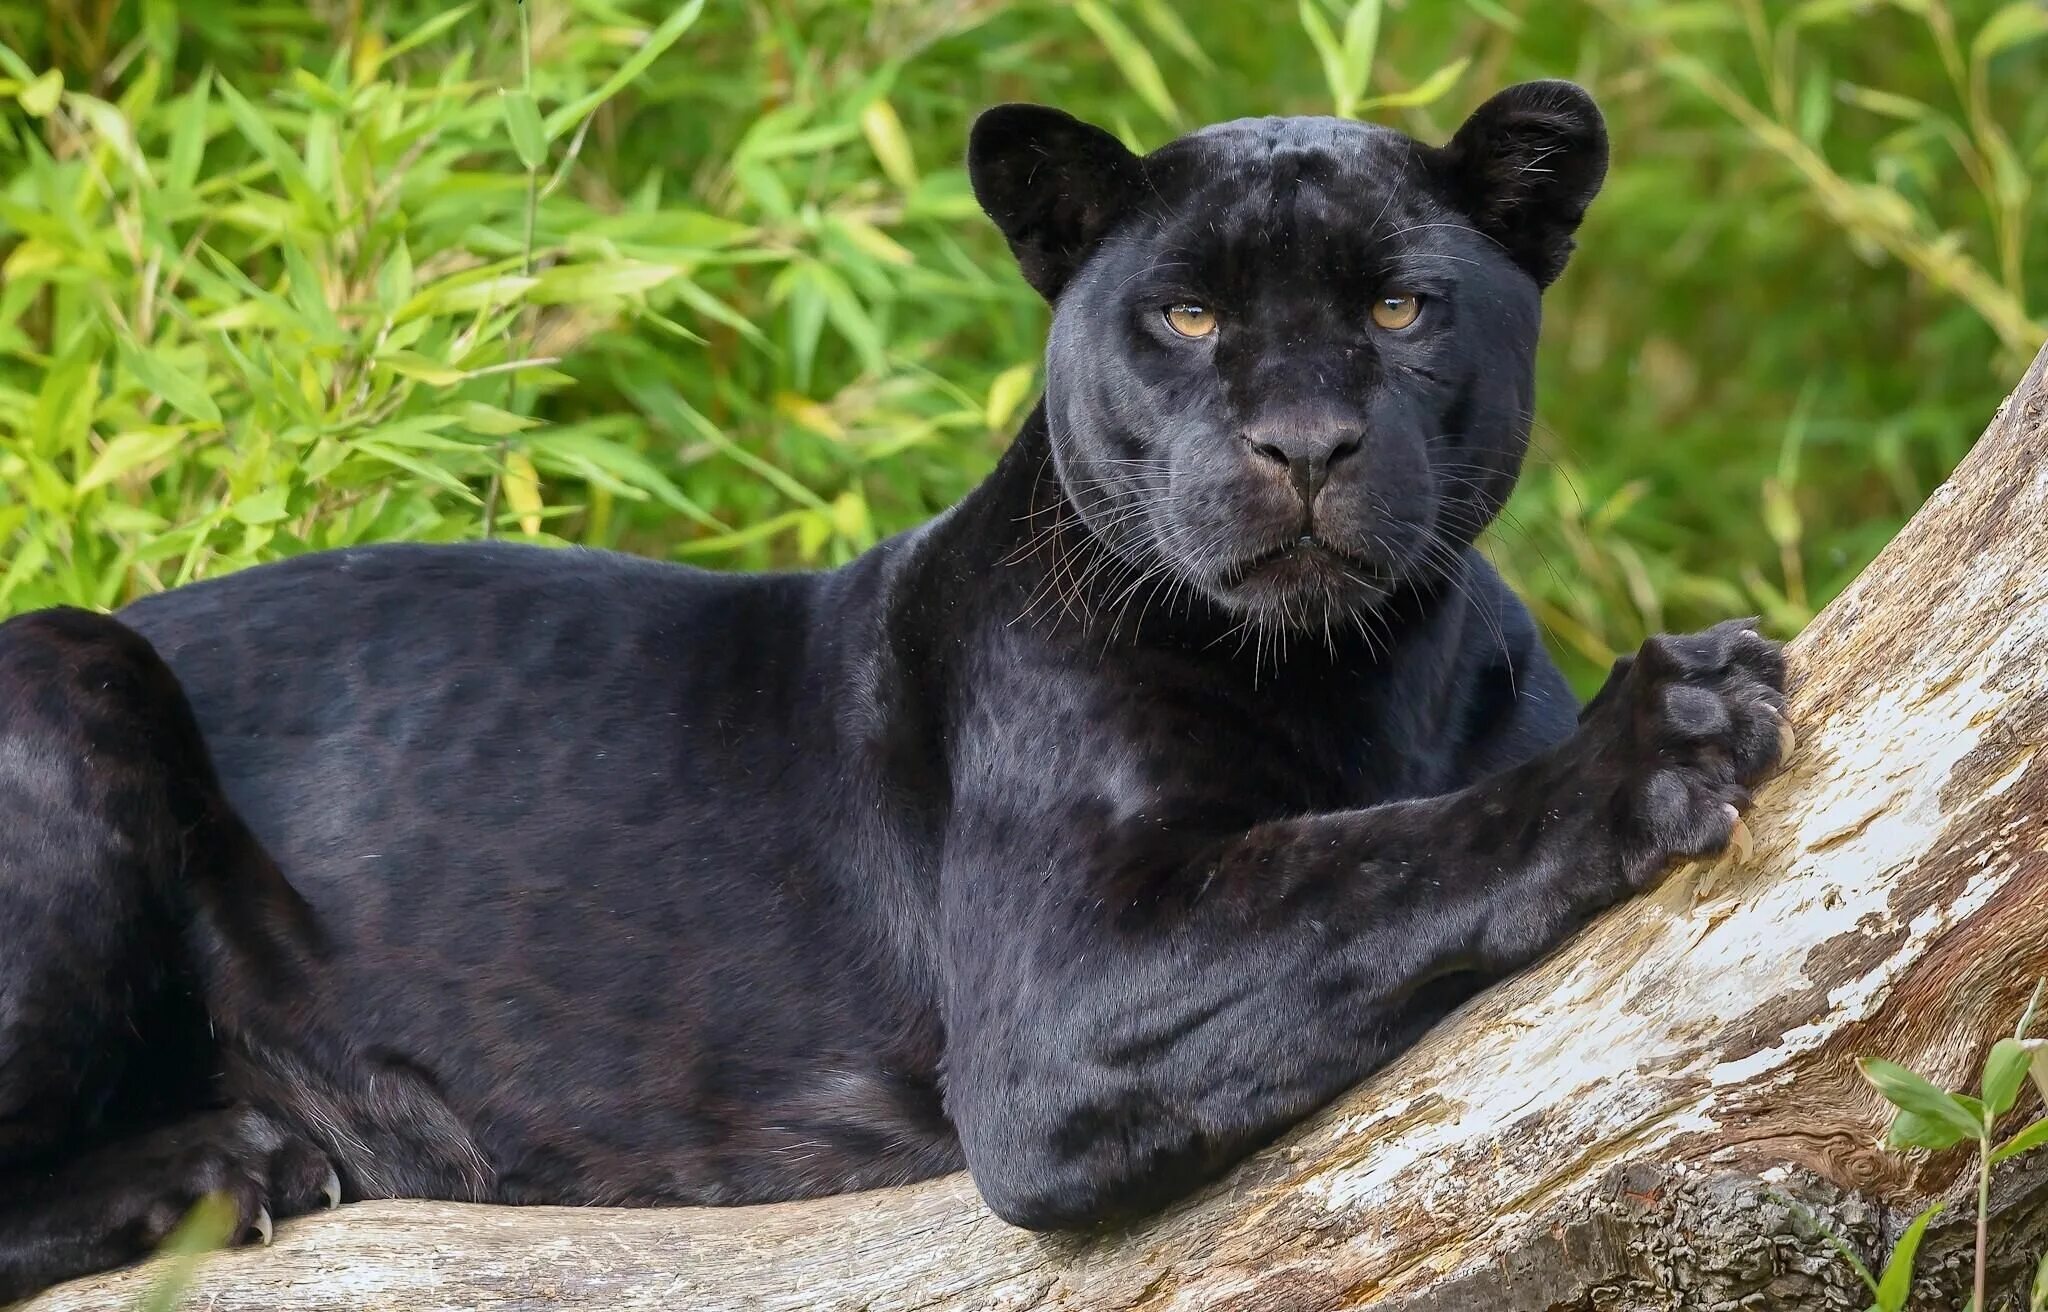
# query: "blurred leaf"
570, 283
1008, 391
210, 1225
183, 392
1131, 57
1883, 102
128, 452
811, 415
1361, 42
265, 507
427, 30
666, 34
2012, 26
1331, 52
522, 122
1166, 24
1897, 1281
458, 294
522, 491
40, 97
1427, 92
873, 241
188, 136
884, 131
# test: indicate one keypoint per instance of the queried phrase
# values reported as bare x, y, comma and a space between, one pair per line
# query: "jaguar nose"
1308, 454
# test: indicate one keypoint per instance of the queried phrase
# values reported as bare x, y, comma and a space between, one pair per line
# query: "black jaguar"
1085, 837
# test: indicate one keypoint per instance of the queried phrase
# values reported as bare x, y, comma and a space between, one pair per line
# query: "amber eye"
1396, 312
1190, 320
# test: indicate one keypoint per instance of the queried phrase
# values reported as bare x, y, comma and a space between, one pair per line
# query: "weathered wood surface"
1620, 1128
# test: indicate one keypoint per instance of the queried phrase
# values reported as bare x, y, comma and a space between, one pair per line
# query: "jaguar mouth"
1305, 559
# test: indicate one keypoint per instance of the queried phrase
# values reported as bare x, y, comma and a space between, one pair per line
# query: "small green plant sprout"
1935, 1120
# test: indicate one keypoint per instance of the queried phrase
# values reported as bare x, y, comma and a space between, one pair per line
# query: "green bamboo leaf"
628, 465
28, 562
568, 283
2014, 25
427, 470
491, 421
1903, 1089
1426, 92
670, 404
127, 452
2005, 1070
40, 97
1912, 1130
394, 276
522, 122
2025, 1141
1820, 13
425, 32
1888, 103
1007, 392
659, 40
756, 532
457, 295
408, 364
1168, 27
308, 295
760, 146
1361, 41
851, 318
712, 308
886, 137
265, 507
188, 136
1131, 58
112, 129
1898, 1268
185, 393
1324, 38
276, 152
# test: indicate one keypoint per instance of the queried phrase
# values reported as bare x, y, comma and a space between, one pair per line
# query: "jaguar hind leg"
116, 846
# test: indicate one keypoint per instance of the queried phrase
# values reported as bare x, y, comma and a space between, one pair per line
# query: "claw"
1787, 741
1739, 840
330, 1190
261, 1226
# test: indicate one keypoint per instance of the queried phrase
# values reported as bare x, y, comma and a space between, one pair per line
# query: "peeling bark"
1652, 1119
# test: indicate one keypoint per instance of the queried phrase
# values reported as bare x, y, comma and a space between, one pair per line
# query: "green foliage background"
705, 281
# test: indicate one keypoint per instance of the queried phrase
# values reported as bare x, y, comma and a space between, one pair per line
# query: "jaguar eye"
1396, 312
1190, 320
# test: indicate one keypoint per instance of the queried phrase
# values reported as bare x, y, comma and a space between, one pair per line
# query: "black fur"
1086, 837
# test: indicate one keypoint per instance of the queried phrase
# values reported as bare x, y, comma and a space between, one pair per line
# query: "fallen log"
1657, 1117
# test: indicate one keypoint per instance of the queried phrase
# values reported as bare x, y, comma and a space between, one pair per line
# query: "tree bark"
1656, 1117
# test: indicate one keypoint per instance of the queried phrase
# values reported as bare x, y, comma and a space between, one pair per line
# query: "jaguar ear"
1525, 166
1052, 183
